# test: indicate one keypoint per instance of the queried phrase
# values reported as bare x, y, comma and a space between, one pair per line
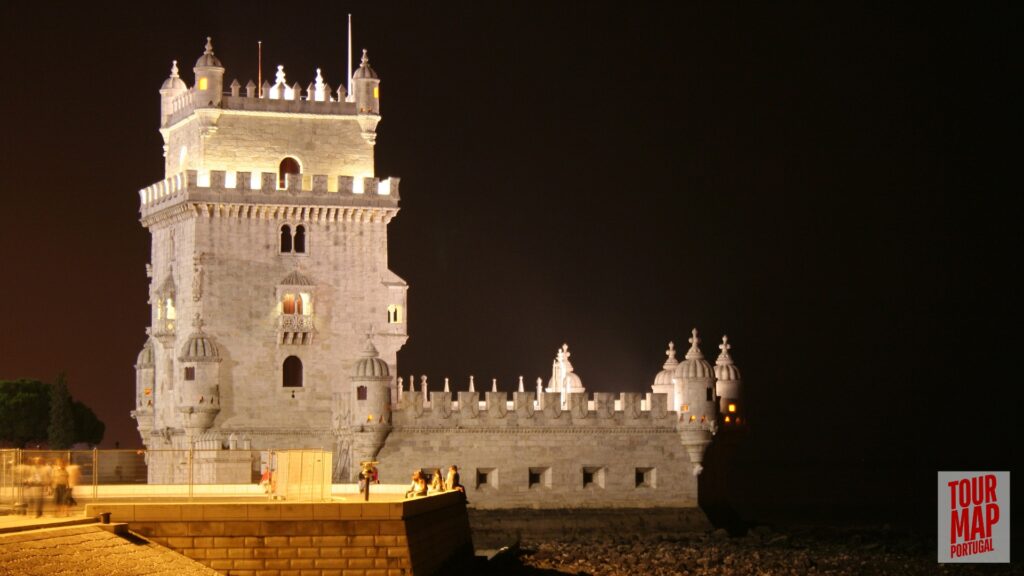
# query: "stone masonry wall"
310, 539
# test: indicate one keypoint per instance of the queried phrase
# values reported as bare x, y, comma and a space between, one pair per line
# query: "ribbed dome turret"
664, 378
208, 60
364, 70
724, 368
694, 366
296, 278
370, 365
199, 347
145, 358
174, 82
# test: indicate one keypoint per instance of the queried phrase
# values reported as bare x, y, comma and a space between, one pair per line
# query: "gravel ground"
761, 552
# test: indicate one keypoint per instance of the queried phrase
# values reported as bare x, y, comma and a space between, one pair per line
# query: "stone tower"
269, 233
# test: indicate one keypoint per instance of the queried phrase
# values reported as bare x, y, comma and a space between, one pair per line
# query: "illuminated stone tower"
269, 266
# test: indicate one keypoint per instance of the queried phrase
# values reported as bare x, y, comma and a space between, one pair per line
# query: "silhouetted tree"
24, 412
88, 428
62, 419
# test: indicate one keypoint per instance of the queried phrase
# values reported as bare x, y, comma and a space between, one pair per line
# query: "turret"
727, 385
694, 386
663, 381
198, 380
209, 86
564, 380
371, 402
366, 89
171, 89
145, 378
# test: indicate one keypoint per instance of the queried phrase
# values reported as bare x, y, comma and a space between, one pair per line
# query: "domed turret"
663, 381
366, 91
209, 86
694, 386
199, 377
145, 378
173, 87
563, 379
371, 406
727, 386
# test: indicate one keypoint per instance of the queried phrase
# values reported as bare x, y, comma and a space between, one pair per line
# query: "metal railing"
138, 475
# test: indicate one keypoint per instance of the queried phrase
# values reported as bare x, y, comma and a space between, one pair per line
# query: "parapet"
526, 411
317, 196
273, 98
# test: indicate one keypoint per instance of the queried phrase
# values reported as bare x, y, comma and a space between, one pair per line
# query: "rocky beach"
762, 551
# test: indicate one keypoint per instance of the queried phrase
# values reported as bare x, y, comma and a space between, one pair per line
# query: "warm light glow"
376, 92
727, 420
693, 418
171, 312
732, 407
230, 179
357, 185
369, 417
255, 183
307, 303
737, 419
203, 83
203, 178
384, 187
686, 407
147, 392
395, 315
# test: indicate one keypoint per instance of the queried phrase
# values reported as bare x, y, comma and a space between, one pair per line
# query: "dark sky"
823, 184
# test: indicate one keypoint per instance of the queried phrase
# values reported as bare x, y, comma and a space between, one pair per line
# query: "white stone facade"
276, 322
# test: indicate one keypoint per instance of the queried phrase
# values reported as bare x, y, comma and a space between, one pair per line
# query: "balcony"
295, 329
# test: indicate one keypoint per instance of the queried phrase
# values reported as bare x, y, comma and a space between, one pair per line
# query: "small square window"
539, 478
486, 477
190, 372
646, 478
593, 477
361, 393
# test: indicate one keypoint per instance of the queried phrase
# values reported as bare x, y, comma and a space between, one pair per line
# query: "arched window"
288, 166
361, 393
288, 304
286, 239
300, 239
291, 376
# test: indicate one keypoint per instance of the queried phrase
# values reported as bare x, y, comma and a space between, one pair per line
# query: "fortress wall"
559, 455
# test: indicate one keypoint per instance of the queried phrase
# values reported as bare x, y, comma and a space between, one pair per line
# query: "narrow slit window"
300, 239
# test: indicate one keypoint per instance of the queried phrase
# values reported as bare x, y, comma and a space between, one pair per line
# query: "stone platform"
414, 537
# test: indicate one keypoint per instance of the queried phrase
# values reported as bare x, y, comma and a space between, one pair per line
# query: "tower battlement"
525, 410
372, 197
274, 99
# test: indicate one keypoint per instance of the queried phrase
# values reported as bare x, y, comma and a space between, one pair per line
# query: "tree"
24, 412
62, 419
88, 428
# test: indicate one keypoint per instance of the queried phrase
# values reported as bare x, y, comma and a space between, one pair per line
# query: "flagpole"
259, 68
349, 82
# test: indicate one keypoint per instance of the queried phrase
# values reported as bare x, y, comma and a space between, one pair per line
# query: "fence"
131, 475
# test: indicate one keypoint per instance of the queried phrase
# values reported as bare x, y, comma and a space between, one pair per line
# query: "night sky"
826, 185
